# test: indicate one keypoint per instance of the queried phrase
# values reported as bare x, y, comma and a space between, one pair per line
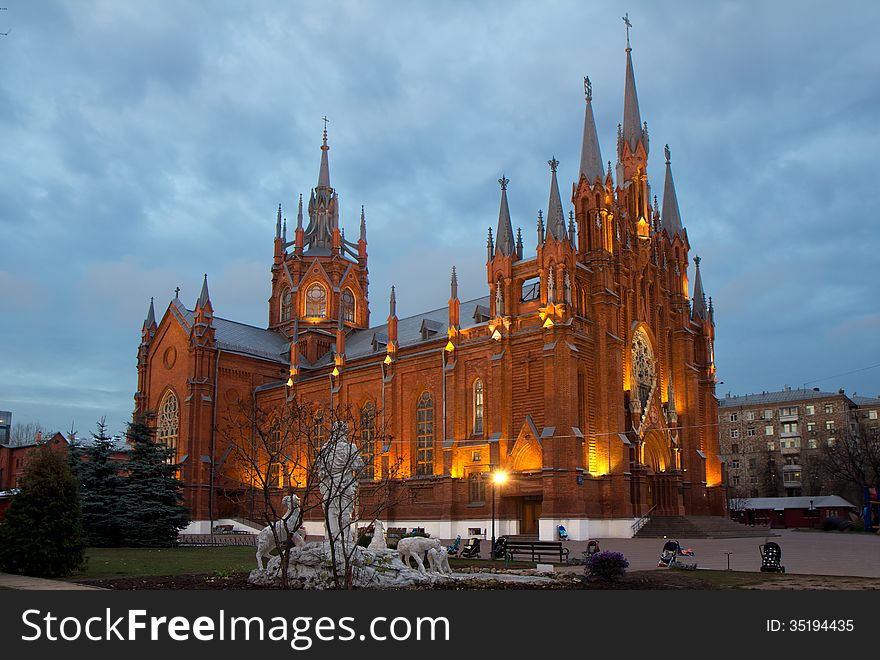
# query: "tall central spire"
633, 129
591, 158
324, 173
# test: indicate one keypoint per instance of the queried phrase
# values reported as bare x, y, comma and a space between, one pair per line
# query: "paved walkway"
8, 581
814, 553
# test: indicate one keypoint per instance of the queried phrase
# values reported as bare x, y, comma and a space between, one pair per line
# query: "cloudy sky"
145, 143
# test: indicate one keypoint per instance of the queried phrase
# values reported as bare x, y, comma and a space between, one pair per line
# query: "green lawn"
127, 562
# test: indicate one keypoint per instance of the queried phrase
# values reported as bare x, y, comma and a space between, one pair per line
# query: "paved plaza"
814, 553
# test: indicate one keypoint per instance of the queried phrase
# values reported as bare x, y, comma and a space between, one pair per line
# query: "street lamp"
498, 479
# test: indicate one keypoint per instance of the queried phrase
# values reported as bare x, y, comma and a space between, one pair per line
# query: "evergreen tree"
152, 512
100, 488
42, 533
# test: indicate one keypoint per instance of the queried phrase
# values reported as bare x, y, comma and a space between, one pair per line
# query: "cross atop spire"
633, 129
626, 21
324, 173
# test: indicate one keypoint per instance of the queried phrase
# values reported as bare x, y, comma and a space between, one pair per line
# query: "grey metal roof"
791, 502
259, 342
785, 396
244, 338
670, 216
865, 400
359, 343
591, 157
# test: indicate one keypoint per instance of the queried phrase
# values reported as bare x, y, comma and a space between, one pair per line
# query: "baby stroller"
771, 556
499, 550
471, 550
563, 533
670, 554
453, 549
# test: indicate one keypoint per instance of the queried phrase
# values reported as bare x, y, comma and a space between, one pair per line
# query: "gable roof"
785, 396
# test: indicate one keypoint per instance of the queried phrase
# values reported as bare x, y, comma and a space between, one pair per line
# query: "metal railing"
641, 522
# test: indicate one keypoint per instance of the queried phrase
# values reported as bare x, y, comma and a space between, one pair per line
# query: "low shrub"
607, 565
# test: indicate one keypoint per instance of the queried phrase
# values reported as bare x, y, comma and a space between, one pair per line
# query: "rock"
311, 567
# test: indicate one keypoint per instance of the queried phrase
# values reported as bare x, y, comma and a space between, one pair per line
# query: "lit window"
830, 442
768, 429
368, 440
476, 456
476, 488
789, 427
811, 410
811, 427
811, 443
425, 435
749, 415
275, 460
169, 422
348, 306
829, 408
872, 414
286, 305
478, 407
829, 424
316, 301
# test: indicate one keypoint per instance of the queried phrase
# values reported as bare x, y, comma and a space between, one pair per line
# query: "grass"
140, 562
130, 562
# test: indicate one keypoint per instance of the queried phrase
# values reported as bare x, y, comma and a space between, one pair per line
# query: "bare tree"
853, 461
24, 434
285, 449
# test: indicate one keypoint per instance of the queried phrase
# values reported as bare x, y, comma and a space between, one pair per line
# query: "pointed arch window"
368, 440
318, 429
425, 435
478, 407
316, 301
286, 304
348, 306
169, 422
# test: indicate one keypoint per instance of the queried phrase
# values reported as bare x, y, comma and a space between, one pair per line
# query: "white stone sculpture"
266, 538
339, 462
416, 547
438, 561
378, 541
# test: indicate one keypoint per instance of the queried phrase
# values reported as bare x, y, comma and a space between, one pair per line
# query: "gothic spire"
571, 228
540, 227
299, 213
504, 236
591, 158
699, 307
324, 173
363, 225
151, 316
392, 303
490, 246
671, 217
278, 223
633, 131
204, 300
555, 215
453, 284
519, 243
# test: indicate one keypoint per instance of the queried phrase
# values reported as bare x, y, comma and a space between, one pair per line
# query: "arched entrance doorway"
662, 481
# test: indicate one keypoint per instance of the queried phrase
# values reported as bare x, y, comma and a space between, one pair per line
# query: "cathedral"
586, 373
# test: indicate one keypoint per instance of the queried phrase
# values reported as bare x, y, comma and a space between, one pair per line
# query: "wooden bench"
535, 550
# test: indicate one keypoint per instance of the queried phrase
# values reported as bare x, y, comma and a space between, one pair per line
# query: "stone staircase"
699, 527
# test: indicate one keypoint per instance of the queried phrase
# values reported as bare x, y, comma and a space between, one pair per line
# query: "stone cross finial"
503, 181
668, 154
177, 292
553, 163
588, 88
697, 261
626, 21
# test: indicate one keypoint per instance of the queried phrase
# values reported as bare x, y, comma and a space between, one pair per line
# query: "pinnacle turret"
504, 237
699, 307
555, 215
591, 157
671, 218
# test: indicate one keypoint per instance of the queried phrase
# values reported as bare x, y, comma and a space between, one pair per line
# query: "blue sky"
145, 143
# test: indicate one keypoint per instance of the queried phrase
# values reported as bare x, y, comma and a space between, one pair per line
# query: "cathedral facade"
586, 373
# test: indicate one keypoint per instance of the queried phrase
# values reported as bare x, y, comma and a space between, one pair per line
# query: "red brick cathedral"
587, 372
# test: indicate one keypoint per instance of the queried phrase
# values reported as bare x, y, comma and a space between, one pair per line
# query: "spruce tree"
100, 488
152, 510
42, 533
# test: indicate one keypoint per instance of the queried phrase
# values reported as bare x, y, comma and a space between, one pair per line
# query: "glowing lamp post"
498, 479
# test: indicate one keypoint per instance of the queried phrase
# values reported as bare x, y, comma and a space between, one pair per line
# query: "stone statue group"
338, 464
